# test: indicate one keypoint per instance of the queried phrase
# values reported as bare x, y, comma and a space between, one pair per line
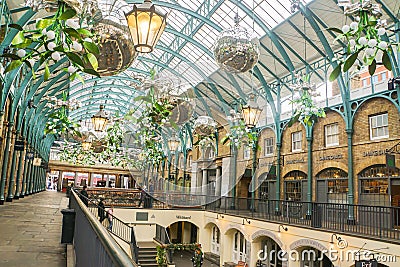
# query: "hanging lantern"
146, 24
251, 113
100, 120
235, 50
173, 144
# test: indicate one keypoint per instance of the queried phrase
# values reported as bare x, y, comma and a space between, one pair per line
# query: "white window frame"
246, 152
364, 82
378, 126
215, 240
297, 141
267, 146
331, 134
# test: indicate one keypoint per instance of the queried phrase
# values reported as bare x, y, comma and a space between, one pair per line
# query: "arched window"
239, 247
215, 240
294, 185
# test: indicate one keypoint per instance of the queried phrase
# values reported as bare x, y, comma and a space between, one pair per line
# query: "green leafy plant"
240, 134
59, 124
51, 40
364, 39
305, 108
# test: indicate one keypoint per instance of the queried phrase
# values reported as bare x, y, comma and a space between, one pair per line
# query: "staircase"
147, 257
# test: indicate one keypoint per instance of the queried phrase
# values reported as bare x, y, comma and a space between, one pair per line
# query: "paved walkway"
30, 231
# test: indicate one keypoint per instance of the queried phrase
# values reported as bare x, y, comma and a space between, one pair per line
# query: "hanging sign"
37, 161
19, 145
367, 263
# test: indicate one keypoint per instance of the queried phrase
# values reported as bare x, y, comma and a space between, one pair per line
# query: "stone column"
204, 183
218, 180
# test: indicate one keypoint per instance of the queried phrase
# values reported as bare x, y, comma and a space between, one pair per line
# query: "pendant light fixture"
146, 24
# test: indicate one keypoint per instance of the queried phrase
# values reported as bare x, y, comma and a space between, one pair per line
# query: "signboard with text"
366, 263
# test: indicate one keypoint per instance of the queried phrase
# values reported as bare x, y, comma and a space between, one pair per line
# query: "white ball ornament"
354, 25
77, 46
56, 56
51, 35
71, 69
381, 31
345, 28
383, 45
21, 53
51, 46
372, 43
363, 41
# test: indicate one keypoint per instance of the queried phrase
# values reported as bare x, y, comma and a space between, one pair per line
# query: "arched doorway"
295, 186
268, 255
312, 257
332, 186
239, 245
183, 232
215, 240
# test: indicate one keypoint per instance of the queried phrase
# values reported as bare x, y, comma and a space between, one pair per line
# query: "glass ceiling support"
197, 69
232, 81
320, 21
388, 11
268, 94
111, 86
300, 58
190, 30
10, 76
306, 38
32, 92
345, 93
189, 12
270, 33
96, 79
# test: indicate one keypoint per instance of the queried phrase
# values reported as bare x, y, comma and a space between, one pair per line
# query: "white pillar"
76, 179
204, 183
108, 181
91, 179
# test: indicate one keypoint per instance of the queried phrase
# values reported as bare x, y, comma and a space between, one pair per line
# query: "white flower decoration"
345, 28
363, 41
56, 56
51, 46
383, 45
51, 35
21, 53
71, 69
372, 43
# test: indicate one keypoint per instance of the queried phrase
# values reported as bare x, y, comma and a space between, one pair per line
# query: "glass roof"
289, 44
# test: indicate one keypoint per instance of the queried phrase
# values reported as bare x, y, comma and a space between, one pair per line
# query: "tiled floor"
30, 231
183, 259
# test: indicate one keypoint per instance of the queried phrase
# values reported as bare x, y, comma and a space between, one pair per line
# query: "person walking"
110, 217
101, 212
142, 196
85, 196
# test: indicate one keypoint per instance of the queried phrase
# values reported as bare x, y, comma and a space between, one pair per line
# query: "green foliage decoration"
50, 41
365, 38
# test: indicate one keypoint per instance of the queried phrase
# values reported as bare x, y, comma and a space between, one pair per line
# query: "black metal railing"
366, 221
93, 245
114, 225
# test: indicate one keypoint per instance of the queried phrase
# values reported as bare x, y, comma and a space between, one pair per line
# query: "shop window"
337, 185
246, 152
269, 146
374, 186
332, 134
293, 185
296, 141
378, 125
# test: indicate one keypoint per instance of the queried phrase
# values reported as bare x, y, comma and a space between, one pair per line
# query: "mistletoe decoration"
197, 258
59, 124
50, 41
365, 38
240, 134
305, 108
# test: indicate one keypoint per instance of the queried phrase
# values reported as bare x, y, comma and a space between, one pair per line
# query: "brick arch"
296, 245
331, 164
388, 99
295, 168
266, 233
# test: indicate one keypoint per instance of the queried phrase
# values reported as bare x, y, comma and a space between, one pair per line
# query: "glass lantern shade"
146, 25
173, 144
251, 114
86, 145
100, 120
